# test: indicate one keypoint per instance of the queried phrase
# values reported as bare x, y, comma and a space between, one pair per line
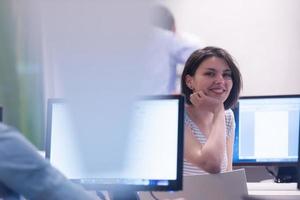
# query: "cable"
100, 195
271, 172
277, 178
153, 196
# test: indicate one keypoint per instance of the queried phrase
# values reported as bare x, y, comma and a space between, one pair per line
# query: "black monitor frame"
252, 162
173, 185
298, 164
1, 113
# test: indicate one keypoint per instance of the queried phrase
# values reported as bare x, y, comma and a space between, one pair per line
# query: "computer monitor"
267, 130
267, 133
154, 156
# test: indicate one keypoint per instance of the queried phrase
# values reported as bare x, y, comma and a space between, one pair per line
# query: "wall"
262, 35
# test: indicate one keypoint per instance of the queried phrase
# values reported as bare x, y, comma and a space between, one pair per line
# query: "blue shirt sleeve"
24, 171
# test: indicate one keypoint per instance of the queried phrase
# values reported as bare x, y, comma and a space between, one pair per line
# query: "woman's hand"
200, 100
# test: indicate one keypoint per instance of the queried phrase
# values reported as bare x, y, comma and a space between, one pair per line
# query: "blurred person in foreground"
23, 171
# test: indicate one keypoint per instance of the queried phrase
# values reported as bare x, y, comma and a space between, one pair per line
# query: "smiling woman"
211, 83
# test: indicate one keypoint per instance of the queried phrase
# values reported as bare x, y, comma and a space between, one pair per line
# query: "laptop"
223, 186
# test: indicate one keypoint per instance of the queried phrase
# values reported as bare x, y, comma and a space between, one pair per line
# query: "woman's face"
213, 77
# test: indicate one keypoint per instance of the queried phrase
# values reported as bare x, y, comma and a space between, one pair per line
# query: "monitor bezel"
252, 162
298, 163
1, 113
174, 185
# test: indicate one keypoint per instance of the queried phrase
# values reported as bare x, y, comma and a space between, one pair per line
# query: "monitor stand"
123, 195
286, 174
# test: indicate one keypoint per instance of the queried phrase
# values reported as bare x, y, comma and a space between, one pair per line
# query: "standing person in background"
167, 50
24, 172
211, 83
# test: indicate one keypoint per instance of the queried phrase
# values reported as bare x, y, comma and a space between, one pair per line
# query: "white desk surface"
274, 190
265, 190
271, 186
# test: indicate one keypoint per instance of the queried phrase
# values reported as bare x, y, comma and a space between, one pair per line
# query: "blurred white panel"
96, 49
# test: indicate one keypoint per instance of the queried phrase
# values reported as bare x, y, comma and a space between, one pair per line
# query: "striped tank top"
189, 169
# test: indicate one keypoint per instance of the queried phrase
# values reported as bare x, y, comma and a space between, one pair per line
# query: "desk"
284, 191
268, 191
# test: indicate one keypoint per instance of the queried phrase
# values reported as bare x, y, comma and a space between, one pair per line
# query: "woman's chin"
220, 96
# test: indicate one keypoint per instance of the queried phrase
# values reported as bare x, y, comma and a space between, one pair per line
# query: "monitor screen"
153, 157
267, 130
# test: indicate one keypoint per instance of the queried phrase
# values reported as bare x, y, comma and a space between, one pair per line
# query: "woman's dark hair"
195, 60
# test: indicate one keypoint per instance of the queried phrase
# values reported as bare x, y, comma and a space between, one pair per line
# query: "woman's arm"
209, 156
230, 142
229, 148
